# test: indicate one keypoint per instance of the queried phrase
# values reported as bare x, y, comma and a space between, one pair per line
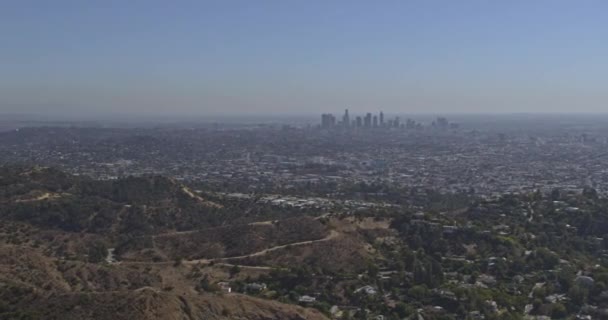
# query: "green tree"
97, 252
418, 292
372, 270
234, 270
578, 295
558, 311
403, 310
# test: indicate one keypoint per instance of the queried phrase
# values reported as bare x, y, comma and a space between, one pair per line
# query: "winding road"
332, 235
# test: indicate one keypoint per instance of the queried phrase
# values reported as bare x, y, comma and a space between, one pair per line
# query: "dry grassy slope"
150, 304
33, 278
27, 267
344, 253
51, 289
238, 240
348, 251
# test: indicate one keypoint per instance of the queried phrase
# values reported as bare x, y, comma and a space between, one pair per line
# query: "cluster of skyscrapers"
329, 121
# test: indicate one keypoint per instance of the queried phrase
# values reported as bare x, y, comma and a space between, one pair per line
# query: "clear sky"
298, 57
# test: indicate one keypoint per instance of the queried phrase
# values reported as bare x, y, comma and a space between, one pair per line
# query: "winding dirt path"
44, 196
332, 234
200, 199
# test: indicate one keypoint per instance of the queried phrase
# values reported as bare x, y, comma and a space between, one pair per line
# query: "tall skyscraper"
381, 119
368, 120
375, 121
442, 123
410, 124
328, 120
359, 122
346, 119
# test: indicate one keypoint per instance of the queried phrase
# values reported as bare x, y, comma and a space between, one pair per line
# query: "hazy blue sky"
256, 56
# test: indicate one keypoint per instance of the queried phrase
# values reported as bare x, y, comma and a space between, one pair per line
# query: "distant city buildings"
346, 119
369, 121
328, 121
484, 158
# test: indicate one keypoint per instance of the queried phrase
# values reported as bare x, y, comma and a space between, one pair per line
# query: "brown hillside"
229, 241
147, 303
